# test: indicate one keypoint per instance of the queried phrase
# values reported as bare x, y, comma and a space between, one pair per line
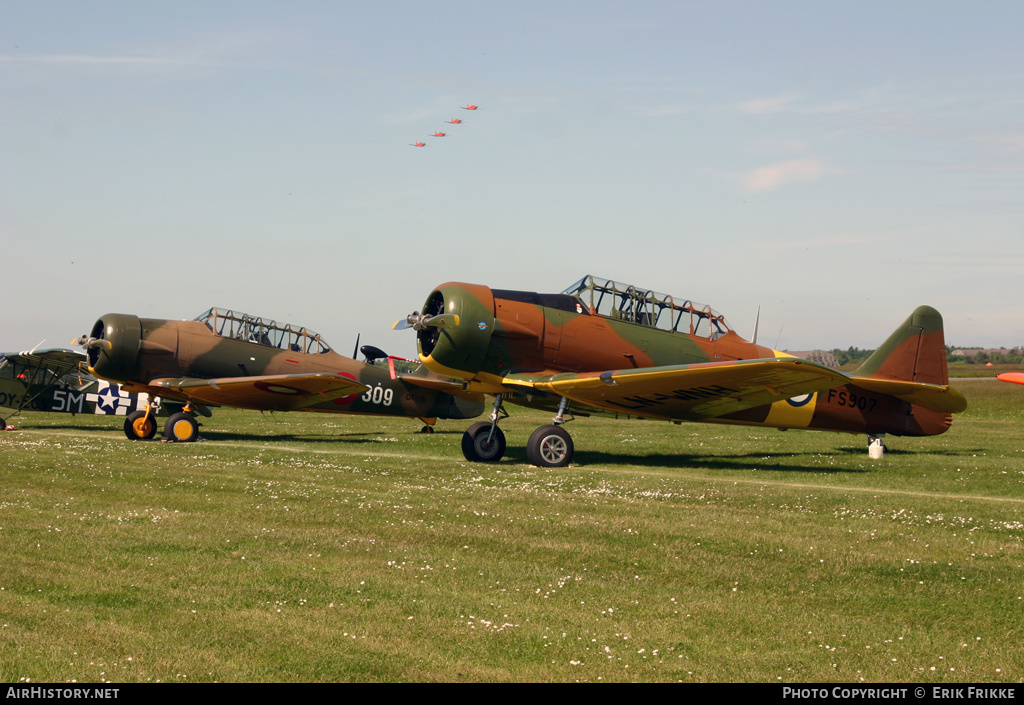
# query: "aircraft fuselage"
504, 332
140, 352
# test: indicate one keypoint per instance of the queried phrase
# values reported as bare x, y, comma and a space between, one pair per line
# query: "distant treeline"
853, 357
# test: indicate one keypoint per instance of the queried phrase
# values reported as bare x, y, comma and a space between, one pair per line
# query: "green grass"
300, 547
963, 369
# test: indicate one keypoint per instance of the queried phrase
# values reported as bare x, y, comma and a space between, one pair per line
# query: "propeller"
420, 321
88, 342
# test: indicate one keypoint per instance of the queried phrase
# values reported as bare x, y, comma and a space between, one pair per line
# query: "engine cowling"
457, 351
113, 348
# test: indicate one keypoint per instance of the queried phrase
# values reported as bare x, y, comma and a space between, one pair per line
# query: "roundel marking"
481, 325
349, 398
278, 388
801, 400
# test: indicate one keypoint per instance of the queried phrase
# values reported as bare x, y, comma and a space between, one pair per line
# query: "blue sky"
835, 163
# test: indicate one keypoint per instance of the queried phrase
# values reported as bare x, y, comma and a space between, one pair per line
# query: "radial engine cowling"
113, 348
458, 351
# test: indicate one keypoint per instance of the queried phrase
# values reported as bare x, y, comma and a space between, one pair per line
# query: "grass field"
300, 547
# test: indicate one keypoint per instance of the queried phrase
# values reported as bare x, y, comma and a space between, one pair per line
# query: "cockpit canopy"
253, 329
626, 302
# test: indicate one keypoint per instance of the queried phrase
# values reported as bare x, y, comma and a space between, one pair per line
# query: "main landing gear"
140, 425
181, 427
549, 446
484, 442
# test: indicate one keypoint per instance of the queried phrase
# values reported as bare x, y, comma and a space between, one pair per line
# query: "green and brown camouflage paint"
503, 332
163, 357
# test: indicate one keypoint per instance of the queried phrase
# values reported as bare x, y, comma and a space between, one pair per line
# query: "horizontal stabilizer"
937, 397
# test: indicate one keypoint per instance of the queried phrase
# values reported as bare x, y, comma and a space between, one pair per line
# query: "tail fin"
911, 365
915, 352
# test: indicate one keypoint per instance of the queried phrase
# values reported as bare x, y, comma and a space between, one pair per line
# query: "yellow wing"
687, 392
270, 392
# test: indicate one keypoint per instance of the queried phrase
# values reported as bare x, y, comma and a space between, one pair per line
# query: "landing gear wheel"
181, 428
139, 427
3, 425
427, 429
549, 447
475, 447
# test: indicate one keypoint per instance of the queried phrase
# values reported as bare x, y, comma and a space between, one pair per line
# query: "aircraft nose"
113, 346
456, 325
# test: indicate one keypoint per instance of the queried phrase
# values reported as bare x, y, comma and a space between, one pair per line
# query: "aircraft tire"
3, 425
138, 430
181, 428
550, 447
475, 447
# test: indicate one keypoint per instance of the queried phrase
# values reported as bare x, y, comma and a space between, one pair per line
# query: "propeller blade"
418, 321
445, 320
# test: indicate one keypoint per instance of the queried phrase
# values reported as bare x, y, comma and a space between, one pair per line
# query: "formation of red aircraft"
452, 121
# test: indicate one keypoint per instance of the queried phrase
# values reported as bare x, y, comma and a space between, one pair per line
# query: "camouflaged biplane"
227, 358
605, 347
53, 380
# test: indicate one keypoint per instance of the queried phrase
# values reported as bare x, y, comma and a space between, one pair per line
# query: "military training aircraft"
438, 133
417, 144
227, 358
1016, 377
605, 347
53, 380
467, 106
454, 121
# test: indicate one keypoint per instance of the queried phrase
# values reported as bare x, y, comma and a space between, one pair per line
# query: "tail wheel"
475, 446
139, 426
181, 428
549, 447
